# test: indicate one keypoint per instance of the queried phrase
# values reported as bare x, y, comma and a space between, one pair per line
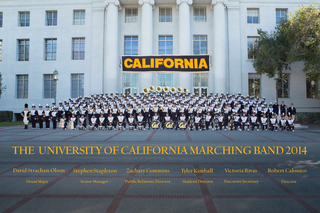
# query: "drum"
131, 127
191, 122
182, 125
81, 128
203, 122
140, 127
91, 127
120, 127
110, 127
155, 124
169, 125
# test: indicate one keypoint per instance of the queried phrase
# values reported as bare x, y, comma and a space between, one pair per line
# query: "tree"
294, 39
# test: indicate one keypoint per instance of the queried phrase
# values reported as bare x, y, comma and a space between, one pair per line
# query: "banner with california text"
166, 63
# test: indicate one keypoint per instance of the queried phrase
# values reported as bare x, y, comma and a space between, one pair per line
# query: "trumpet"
173, 90
159, 89
145, 90
185, 90
179, 89
166, 89
151, 88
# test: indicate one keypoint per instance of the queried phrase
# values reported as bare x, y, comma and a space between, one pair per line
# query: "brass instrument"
119, 111
166, 89
179, 89
159, 89
151, 88
152, 109
159, 107
173, 90
185, 90
145, 90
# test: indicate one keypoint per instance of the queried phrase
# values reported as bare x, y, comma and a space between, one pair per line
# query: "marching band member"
254, 121
236, 121
244, 122
34, 114
82, 121
63, 122
273, 123
102, 121
60, 111
131, 122
292, 111
209, 121
47, 116
264, 122
197, 121
282, 123
40, 113
140, 121
72, 122
111, 121
166, 119
290, 124
222, 122
25, 115
155, 117
53, 115
121, 121
93, 121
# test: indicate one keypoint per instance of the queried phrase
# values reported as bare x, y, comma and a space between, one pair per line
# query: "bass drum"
182, 125
169, 125
155, 124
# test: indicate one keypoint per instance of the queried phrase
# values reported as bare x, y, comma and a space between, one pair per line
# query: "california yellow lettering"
203, 63
178, 62
188, 64
126, 63
159, 61
144, 64
165, 63
136, 63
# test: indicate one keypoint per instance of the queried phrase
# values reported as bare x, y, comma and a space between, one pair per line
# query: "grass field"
3, 124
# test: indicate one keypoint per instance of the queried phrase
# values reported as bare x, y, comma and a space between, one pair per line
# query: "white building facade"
84, 40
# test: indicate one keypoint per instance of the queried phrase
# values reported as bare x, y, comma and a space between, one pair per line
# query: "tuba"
173, 90
166, 89
185, 90
151, 88
159, 89
179, 89
145, 90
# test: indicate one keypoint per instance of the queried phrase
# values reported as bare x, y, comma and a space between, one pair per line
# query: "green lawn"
3, 124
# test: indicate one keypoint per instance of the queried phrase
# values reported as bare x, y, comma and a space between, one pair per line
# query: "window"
199, 45
49, 86
200, 83
52, 17
77, 85
252, 43
78, 49
0, 50
312, 88
252, 16
1, 19
199, 15
131, 45
254, 85
22, 86
165, 79
24, 19
281, 15
283, 86
23, 54
131, 15
165, 45
79, 17
51, 49
165, 14
1, 87
131, 83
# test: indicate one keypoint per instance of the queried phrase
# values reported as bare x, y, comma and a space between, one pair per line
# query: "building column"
234, 48
219, 46
146, 38
111, 65
184, 39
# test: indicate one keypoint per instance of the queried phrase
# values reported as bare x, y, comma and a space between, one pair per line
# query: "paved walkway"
159, 183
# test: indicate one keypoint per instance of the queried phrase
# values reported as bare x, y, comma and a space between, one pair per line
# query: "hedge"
307, 117
6, 116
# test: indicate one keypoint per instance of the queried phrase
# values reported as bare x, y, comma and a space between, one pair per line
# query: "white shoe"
225, 129
257, 130
293, 130
276, 130
144, 129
